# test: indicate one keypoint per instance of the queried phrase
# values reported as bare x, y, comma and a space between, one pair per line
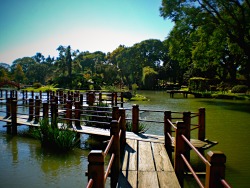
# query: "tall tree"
19, 75
231, 17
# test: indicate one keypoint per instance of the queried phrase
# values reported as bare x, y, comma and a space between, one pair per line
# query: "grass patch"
138, 97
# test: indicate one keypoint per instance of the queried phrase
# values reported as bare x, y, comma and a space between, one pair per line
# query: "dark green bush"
239, 89
37, 85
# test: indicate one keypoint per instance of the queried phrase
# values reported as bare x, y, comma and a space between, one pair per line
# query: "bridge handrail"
116, 144
215, 168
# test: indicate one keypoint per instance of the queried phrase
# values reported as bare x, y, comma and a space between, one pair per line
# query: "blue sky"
31, 26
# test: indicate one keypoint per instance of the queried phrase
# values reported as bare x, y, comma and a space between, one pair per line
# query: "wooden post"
77, 114
115, 148
69, 113
8, 107
81, 98
6, 94
115, 98
96, 168
26, 96
23, 95
115, 113
122, 114
135, 118
47, 96
202, 126
32, 94
179, 149
215, 171
112, 99
31, 109
53, 115
122, 100
91, 99
65, 99
45, 110
41, 95
168, 129
14, 117
100, 98
187, 122
37, 110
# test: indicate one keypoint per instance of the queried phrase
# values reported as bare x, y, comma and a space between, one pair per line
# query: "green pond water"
23, 163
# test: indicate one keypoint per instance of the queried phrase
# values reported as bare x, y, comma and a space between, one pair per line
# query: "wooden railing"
215, 162
92, 98
112, 98
187, 117
97, 175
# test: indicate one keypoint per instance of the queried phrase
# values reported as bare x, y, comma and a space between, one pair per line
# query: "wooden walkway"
146, 164
185, 93
22, 120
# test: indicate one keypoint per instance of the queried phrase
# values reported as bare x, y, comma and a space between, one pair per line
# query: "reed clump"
51, 136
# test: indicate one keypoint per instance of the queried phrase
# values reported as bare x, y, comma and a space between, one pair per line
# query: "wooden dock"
146, 164
185, 93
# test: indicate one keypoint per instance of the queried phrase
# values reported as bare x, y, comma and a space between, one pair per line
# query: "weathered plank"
147, 179
162, 161
130, 156
168, 179
145, 157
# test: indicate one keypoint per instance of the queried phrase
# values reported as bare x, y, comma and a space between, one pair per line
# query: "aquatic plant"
141, 129
61, 139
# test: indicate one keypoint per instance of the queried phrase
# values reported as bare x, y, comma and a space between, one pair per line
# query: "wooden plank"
147, 179
162, 161
168, 179
93, 130
130, 156
127, 179
145, 157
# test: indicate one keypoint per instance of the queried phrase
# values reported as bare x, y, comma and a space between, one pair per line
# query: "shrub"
37, 85
239, 89
134, 88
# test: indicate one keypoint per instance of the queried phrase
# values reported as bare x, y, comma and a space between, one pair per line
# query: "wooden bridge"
185, 93
10, 83
136, 159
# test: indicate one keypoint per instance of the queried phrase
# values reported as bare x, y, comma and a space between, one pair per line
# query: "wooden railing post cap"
135, 105
202, 109
216, 157
96, 156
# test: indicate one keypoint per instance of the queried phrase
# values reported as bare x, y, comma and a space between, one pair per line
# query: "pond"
23, 163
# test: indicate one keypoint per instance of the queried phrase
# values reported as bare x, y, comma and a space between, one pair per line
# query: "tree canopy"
210, 39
